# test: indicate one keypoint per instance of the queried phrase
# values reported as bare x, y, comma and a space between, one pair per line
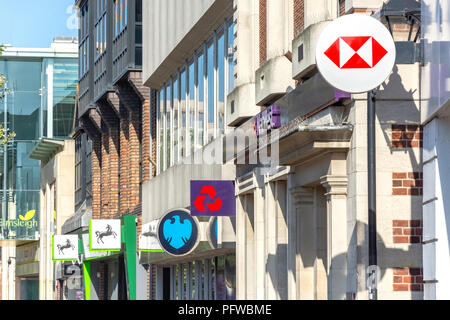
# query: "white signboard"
355, 53
148, 239
104, 235
65, 247
88, 254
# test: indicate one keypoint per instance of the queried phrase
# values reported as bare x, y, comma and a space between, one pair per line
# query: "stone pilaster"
337, 244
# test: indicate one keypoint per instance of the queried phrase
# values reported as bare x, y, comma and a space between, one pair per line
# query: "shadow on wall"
278, 276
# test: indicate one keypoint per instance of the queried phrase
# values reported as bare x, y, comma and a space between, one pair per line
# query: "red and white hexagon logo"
355, 53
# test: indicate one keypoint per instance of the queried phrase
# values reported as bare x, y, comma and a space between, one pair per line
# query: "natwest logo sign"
213, 198
199, 202
355, 53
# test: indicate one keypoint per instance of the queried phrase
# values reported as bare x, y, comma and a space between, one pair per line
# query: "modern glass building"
40, 100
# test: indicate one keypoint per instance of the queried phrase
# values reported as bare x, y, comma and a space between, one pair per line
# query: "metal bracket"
409, 52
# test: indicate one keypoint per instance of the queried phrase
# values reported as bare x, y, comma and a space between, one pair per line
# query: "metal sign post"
372, 187
356, 53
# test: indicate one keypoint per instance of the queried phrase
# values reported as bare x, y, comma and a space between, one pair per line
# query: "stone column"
336, 186
306, 247
281, 239
259, 242
271, 241
240, 249
291, 242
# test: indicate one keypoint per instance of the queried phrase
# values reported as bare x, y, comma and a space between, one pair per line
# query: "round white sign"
355, 53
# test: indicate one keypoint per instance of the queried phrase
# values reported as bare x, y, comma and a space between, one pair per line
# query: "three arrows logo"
362, 52
199, 202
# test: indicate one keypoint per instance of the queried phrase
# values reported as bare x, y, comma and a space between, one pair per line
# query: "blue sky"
34, 23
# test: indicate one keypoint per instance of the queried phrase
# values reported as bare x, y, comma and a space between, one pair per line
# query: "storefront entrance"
207, 279
29, 288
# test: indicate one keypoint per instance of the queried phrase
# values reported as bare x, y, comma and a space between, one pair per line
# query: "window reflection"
200, 90
231, 62
211, 90
221, 83
176, 124
201, 100
183, 118
191, 93
168, 125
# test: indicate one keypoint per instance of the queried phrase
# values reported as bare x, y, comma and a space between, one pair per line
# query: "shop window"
211, 90
176, 125
192, 107
201, 100
183, 115
221, 83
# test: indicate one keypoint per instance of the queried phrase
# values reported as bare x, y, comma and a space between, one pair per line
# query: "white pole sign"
65, 247
104, 235
355, 53
148, 239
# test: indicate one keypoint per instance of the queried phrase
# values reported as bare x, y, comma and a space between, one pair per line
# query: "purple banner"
213, 198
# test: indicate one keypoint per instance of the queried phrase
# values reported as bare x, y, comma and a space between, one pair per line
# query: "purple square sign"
213, 198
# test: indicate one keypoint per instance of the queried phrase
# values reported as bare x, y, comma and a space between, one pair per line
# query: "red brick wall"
124, 164
407, 183
133, 159
407, 136
408, 279
153, 107
407, 231
114, 170
146, 141
341, 7
96, 176
299, 17
106, 173
262, 31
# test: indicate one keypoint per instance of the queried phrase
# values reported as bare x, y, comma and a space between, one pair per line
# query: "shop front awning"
46, 149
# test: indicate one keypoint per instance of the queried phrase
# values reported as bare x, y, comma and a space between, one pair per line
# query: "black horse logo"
68, 245
107, 233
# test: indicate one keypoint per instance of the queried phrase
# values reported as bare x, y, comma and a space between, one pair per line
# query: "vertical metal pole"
372, 187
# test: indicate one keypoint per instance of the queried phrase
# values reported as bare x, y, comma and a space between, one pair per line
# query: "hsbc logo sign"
355, 53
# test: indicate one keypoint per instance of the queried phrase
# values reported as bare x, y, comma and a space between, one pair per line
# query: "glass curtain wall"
40, 103
192, 103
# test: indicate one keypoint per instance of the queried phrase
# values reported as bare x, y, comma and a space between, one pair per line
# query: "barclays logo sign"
178, 232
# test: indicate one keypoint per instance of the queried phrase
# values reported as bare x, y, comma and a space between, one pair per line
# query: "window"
192, 107
221, 83
230, 55
211, 90
120, 16
100, 28
161, 126
84, 40
194, 99
183, 118
176, 123
201, 101
169, 123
